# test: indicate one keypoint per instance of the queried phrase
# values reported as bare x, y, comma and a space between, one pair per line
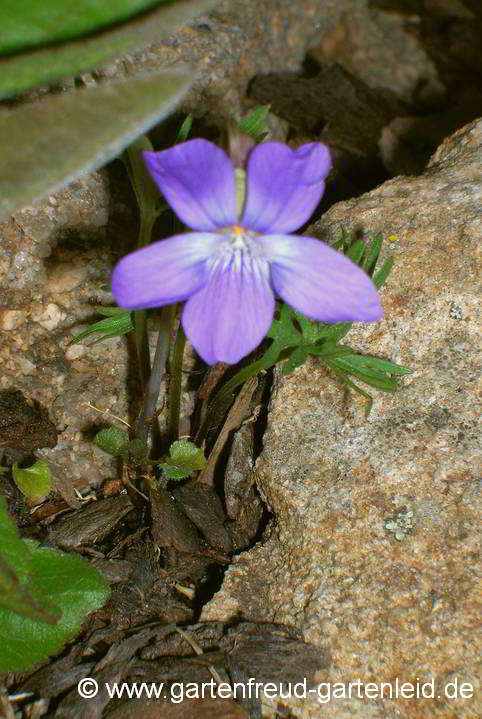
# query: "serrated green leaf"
118, 322
254, 123
35, 481
113, 441
172, 472
138, 450
51, 142
61, 580
21, 71
184, 458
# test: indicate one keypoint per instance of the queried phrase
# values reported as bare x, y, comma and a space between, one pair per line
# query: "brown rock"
374, 549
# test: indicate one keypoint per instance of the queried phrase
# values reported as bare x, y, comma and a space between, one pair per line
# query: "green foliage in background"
45, 596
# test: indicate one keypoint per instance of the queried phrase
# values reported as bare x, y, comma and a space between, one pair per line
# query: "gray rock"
372, 552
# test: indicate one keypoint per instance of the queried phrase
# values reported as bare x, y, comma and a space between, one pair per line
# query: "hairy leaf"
52, 142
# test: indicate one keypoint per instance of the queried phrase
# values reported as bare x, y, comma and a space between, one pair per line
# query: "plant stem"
140, 316
174, 397
153, 386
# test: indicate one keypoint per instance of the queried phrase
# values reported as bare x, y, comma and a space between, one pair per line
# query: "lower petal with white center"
232, 313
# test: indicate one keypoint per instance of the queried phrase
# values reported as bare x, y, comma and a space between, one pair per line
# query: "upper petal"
229, 317
197, 179
283, 185
164, 272
320, 282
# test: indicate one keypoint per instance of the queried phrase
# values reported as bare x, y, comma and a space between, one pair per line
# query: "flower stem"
140, 316
153, 386
174, 397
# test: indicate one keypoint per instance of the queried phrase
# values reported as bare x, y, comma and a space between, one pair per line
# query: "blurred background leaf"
29, 23
52, 142
39, 65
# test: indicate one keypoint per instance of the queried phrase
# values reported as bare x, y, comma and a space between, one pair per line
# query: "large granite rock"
373, 547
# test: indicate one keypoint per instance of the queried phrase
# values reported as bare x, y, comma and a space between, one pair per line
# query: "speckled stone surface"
373, 549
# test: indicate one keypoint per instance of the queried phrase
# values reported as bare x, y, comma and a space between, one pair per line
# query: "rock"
372, 552
11, 319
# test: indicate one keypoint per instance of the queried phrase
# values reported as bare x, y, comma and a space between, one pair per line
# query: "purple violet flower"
229, 268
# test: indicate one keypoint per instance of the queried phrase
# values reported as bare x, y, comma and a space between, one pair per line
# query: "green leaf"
22, 71
113, 441
254, 123
356, 251
30, 23
52, 142
184, 458
65, 581
34, 481
44, 597
382, 274
119, 322
146, 191
138, 450
372, 255
184, 130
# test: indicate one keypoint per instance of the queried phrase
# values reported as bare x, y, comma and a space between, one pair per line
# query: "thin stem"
153, 386
140, 316
174, 397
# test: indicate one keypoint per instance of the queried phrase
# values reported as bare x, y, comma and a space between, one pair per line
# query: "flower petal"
320, 282
230, 316
283, 185
164, 272
197, 180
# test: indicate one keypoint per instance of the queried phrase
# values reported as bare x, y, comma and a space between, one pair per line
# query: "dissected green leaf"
34, 481
52, 142
29, 23
184, 458
254, 123
22, 71
44, 597
118, 322
113, 441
